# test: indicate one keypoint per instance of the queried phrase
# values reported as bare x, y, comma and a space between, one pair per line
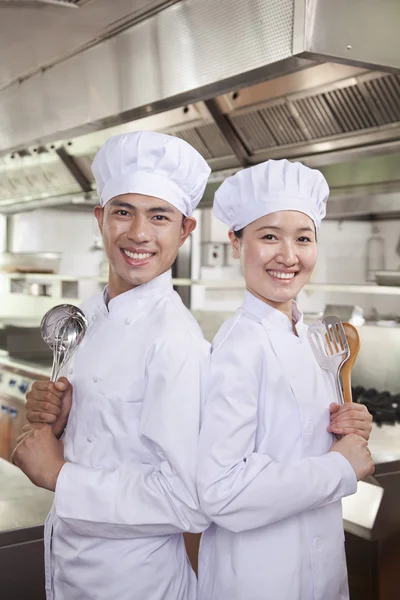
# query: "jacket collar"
272, 317
152, 290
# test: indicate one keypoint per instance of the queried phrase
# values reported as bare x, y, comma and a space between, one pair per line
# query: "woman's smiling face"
277, 253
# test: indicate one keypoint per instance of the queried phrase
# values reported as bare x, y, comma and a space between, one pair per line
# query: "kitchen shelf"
353, 289
218, 284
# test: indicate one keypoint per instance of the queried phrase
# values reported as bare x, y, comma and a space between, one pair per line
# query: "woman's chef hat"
270, 187
153, 164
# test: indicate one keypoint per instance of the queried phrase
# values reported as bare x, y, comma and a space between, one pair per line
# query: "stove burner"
383, 406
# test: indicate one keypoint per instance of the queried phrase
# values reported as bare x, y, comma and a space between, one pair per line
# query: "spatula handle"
346, 381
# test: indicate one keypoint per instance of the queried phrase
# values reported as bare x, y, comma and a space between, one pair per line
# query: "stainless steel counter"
23, 510
384, 443
22, 504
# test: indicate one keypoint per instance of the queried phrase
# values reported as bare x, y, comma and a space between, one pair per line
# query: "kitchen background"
242, 82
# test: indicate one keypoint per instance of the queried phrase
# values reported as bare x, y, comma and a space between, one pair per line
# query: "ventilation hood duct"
197, 50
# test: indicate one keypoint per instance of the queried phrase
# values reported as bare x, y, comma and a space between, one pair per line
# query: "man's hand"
40, 455
350, 418
355, 450
50, 403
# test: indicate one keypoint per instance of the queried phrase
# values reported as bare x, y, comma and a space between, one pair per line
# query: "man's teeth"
136, 256
280, 275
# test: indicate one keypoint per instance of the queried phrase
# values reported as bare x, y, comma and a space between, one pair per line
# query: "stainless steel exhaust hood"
241, 81
194, 50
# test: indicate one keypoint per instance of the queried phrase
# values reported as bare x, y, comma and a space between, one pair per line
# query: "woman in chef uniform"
270, 473
125, 484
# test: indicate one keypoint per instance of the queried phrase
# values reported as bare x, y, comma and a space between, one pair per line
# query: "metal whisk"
63, 328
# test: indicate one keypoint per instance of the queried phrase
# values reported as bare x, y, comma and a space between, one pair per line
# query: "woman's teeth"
280, 275
136, 256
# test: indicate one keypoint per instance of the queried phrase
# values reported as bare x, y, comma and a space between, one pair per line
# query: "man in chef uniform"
125, 481
270, 473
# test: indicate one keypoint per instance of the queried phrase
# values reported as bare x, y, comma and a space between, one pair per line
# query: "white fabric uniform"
128, 488
264, 475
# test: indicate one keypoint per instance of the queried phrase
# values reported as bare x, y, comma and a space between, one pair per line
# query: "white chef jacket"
128, 489
264, 475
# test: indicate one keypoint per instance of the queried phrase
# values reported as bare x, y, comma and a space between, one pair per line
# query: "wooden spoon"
353, 340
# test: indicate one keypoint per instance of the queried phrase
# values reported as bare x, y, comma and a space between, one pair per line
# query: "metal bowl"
26, 262
390, 278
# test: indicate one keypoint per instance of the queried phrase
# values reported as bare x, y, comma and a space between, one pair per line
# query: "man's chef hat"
270, 187
153, 164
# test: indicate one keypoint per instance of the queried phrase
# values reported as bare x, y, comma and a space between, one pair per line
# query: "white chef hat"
153, 164
270, 187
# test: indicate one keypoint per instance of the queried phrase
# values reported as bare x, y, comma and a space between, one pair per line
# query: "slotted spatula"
329, 345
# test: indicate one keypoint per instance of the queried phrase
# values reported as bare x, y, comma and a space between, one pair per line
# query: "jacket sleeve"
240, 489
147, 499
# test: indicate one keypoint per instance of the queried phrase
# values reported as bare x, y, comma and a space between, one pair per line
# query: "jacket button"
94, 318
95, 379
89, 439
70, 371
318, 543
309, 427
127, 320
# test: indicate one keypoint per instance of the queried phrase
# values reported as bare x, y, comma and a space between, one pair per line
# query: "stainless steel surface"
359, 31
182, 269
384, 443
378, 369
23, 262
63, 329
22, 503
24, 508
313, 80
55, 33
372, 513
361, 509
276, 127
328, 151
41, 176
389, 278
23, 341
175, 54
348, 206
266, 118
321, 114
268, 32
